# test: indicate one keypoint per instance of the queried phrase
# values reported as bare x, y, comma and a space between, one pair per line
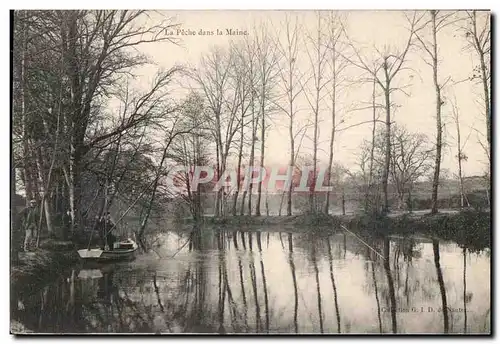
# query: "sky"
368, 29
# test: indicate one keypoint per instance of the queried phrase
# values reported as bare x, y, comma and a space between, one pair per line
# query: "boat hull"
117, 254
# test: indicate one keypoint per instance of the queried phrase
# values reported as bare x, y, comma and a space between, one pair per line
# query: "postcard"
250, 172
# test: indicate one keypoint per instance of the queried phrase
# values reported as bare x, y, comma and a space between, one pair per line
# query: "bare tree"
436, 23
337, 66
266, 63
71, 63
367, 163
221, 88
242, 80
478, 36
461, 156
93, 46
252, 77
175, 127
290, 77
384, 71
374, 129
191, 150
409, 161
317, 53
37, 101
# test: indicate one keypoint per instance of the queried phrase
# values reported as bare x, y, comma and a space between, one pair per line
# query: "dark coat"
29, 218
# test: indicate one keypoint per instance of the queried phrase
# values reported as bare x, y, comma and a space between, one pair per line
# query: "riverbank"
467, 228
37, 268
464, 227
471, 228
43, 264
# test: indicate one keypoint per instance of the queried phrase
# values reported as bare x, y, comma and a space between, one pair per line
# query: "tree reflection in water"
390, 282
465, 289
294, 280
264, 284
332, 278
442, 289
300, 283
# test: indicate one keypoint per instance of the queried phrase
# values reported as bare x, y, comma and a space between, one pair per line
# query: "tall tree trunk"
217, 193
292, 160
74, 189
46, 174
374, 127
153, 193
252, 157
318, 78
315, 158
486, 101
387, 160
15, 228
343, 200
75, 118
197, 196
27, 166
487, 105
262, 148
439, 128
410, 200
484, 79
45, 182
461, 182
332, 134
290, 132
370, 196
243, 197
459, 158
242, 205
281, 202
240, 156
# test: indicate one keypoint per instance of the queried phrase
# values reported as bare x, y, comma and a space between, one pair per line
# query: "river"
215, 281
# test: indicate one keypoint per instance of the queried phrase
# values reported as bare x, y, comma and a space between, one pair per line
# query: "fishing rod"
125, 213
362, 241
130, 207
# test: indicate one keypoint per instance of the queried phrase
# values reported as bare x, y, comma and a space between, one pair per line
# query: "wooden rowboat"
124, 250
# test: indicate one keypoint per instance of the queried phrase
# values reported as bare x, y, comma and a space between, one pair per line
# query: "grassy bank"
466, 228
43, 264
295, 221
35, 269
471, 228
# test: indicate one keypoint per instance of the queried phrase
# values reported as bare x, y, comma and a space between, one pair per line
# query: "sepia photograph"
288, 172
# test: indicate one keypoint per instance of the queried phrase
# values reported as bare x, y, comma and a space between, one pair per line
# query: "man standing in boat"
109, 226
101, 230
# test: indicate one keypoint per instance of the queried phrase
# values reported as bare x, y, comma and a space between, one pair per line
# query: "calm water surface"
271, 282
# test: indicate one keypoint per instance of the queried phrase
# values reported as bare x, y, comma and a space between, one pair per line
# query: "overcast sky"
368, 29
